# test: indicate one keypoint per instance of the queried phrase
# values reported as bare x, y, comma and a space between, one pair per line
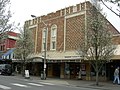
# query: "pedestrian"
116, 76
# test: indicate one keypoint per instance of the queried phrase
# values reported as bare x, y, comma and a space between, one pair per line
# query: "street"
13, 83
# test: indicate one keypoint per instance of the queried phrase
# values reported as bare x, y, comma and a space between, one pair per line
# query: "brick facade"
70, 22
9, 41
69, 27
116, 39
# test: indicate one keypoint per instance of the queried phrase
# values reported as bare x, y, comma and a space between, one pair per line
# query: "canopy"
8, 53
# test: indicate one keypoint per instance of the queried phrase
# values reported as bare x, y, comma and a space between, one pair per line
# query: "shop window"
101, 73
83, 69
67, 70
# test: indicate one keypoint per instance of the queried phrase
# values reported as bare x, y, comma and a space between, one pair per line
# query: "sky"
23, 9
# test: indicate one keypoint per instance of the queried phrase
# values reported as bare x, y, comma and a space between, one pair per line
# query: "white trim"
13, 37
65, 11
33, 26
69, 10
74, 9
75, 14
60, 12
116, 35
80, 7
64, 33
117, 51
57, 55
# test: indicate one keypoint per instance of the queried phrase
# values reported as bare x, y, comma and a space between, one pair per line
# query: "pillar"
50, 70
62, 69
88, 71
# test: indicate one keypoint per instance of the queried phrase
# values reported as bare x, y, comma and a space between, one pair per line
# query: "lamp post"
44, 73
45, 49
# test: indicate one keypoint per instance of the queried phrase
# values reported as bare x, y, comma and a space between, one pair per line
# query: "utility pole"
45, 49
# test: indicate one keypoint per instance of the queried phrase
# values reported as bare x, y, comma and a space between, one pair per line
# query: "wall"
70, 23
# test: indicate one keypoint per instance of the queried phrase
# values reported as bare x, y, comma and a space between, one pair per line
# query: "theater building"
58, 32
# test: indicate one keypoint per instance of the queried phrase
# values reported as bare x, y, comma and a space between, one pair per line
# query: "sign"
27, 74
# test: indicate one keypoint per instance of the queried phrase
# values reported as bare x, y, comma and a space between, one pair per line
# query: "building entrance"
110, 68
56, 70
74, 70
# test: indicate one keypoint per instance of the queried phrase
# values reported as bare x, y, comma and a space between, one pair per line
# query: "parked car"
5, 69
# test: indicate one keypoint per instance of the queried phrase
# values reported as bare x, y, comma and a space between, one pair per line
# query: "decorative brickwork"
74, 32
70, 22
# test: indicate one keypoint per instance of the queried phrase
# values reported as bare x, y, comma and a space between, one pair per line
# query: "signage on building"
72, 57
37, 60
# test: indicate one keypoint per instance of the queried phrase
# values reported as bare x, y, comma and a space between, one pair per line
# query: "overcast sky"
23, 9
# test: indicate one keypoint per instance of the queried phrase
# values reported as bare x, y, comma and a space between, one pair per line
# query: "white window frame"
53, 37
43, 38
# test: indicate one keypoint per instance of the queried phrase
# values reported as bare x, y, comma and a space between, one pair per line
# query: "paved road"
13, 83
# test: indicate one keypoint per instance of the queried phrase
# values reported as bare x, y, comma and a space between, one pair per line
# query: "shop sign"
37, 60
72, 57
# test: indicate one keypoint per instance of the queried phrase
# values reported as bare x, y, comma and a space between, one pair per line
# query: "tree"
24, 46
96, 45
5, 16
115, 2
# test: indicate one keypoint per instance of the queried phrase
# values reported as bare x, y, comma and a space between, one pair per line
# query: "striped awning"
9, 52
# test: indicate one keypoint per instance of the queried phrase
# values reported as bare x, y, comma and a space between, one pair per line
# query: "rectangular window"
44, 34
44, 39
44, 43
53, 44
53, 37
44, 46
53, 33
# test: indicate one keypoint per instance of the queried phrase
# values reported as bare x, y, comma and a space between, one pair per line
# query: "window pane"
53, 32
53, 36
43, 46
44, 34
53, 45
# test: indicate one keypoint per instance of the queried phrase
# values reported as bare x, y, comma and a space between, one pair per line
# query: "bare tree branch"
110, 8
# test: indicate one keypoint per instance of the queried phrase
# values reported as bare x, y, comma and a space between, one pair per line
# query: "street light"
44, 61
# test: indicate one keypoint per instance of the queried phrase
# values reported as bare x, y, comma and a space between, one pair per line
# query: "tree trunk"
22, 72
23, 69
97, 75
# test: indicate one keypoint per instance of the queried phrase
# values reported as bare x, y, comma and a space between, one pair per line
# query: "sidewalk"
86, 84
75, 83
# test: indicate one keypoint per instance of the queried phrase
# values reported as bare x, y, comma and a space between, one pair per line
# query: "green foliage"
24, 45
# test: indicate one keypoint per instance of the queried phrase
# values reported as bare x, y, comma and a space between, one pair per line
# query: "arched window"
53, 37
44, 39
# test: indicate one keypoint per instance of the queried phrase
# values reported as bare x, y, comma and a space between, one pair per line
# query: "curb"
72, 83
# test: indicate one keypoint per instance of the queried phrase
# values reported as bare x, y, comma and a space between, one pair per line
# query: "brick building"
58, 32
7, 45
